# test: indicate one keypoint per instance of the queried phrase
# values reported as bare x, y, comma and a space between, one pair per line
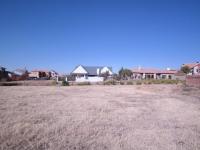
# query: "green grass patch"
84, 83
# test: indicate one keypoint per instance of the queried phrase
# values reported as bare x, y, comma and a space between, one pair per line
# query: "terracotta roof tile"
191, 65
151, 70
40, 70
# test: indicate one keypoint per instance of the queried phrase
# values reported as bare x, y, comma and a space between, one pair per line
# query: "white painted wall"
79, 70
196, 70
89, 79
106, 69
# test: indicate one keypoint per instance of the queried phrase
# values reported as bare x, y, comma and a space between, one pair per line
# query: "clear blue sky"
54, 34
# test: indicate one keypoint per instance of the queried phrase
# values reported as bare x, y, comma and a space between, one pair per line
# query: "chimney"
97, 71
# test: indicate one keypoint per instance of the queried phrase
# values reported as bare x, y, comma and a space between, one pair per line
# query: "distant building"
53, 74
39, 74
18, 74
194, 68
145, 73
91, 73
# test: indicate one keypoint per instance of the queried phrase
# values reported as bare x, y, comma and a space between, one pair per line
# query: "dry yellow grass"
143, 117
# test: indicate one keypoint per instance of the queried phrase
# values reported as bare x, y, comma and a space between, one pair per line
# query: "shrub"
121, 83
84, 83
125, 73
147, 82
54, 82
150, 82
116, 77
110, 82
163, 81
185, 69
156, 81
138, 83
65, 83
129, 83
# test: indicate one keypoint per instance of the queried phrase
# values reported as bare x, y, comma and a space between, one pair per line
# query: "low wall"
177, 77
193, 80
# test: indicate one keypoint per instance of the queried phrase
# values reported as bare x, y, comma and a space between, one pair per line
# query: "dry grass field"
128, 117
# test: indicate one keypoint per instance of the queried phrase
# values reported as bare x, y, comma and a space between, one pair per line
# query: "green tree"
185, 69
125, 73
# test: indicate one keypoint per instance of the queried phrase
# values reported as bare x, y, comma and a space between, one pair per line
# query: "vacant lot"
138, 117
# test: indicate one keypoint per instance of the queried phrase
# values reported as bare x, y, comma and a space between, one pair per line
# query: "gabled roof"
191, 65
20, 71
40, 70
92, 70
152, 70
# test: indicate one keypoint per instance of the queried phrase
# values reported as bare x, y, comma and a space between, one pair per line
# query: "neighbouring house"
145, 73
3, 74
91, 73
53, 74
19, 74
40, 74
194, 68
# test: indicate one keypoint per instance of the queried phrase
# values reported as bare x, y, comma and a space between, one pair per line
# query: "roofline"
195, 64
40, 70
155, 72
108, 68
77, 67
152, 71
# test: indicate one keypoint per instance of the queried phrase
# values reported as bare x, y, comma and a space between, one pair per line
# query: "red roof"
148, 70
191, 65
40, 70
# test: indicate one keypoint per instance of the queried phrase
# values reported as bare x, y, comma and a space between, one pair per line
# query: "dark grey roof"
92, 70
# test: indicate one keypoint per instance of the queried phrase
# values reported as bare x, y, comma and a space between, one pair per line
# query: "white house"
194, 68
91, 73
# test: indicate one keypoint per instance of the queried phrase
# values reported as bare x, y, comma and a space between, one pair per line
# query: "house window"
163, 76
